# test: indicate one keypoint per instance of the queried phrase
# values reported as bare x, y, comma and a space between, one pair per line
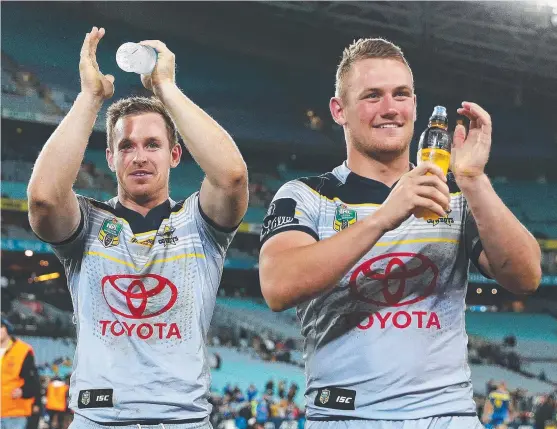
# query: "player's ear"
110, 159
336, 106
175, 155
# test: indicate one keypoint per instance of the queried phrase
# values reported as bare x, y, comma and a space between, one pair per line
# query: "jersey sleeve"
218, 236
473, 243
72, 247
295, 207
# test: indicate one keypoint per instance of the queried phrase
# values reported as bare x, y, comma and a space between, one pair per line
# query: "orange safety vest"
56, 396
12, 362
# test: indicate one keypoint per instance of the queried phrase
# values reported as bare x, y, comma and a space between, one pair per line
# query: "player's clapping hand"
164, 72
414, 191
93, 82
470, 153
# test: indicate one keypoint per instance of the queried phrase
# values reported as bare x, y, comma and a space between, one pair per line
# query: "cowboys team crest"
344, 217
325, 395
109, 232
167, 235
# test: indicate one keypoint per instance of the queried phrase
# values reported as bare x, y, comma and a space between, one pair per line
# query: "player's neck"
386, 171
141, 206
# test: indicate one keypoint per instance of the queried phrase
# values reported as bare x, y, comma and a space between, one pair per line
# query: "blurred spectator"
281, 389
252, 392
270, 388
20, 381
56, 402
545, 414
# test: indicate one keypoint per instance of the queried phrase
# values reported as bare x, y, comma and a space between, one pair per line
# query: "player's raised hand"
470, 153
414, 191
93, 82
164, 71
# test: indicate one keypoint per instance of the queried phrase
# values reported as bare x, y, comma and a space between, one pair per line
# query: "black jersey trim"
301, 228
475, 258
139, 224
345, 418
147, 422
358, 189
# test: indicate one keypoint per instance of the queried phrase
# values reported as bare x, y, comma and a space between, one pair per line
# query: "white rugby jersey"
388, 342
143, 292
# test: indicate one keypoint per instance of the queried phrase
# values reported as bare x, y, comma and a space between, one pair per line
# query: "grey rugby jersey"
143, 292
388, 342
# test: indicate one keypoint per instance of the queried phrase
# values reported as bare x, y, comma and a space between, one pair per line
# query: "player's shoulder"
324, 184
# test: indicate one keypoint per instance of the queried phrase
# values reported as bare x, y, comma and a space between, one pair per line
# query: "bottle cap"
439, 111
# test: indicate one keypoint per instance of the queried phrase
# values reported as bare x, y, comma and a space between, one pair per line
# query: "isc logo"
103, 398
344, 399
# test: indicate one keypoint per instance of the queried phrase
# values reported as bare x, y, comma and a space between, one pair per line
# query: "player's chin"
140, 189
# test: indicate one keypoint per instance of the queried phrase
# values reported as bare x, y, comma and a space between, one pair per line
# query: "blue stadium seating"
481, 374
239, 369
524, 326
255, 313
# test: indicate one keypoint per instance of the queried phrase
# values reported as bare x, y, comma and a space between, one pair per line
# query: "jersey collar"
348, 177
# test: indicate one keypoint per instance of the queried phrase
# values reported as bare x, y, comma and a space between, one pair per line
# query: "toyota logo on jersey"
139, 297
396, 280
387, 280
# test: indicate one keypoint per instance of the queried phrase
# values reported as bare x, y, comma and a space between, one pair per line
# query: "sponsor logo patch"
446, 220
95, 398
336, 398
148, 242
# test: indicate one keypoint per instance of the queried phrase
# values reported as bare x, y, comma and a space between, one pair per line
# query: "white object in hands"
136, 58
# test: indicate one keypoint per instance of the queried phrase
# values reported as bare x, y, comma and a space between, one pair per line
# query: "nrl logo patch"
344, 217
325, 395
86, 397
109, 232
168, 236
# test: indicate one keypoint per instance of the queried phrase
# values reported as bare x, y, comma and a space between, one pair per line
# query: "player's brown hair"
363, 49
134, 106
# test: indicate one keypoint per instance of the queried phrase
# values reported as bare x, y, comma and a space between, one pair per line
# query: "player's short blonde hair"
363, 49
135, 106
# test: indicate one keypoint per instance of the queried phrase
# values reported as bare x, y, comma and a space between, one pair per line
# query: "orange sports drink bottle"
435, 146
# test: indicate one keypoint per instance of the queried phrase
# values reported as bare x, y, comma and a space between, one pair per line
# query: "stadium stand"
258, 104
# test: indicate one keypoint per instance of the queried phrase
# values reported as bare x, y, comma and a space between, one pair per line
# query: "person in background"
20, 380
56, 406
498, 409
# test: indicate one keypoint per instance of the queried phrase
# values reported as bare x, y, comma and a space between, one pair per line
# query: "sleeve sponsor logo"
281, 213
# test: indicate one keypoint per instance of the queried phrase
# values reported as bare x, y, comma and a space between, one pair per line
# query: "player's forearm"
294, 276
208, 143
57, 166
513, 253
